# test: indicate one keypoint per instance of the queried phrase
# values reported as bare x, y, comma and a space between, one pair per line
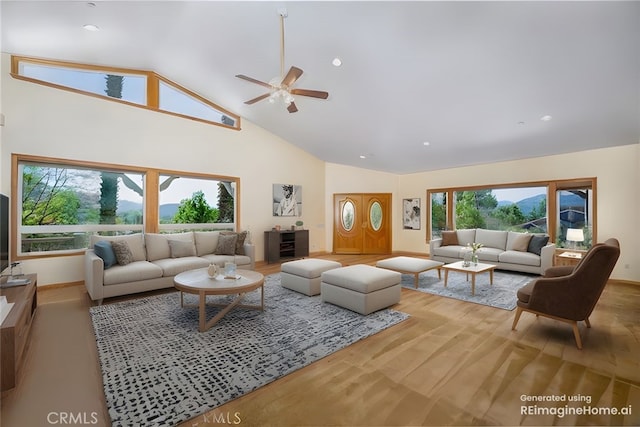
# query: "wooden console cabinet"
15, 330
285, 245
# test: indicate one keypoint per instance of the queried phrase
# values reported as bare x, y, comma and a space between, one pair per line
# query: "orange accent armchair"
569, 294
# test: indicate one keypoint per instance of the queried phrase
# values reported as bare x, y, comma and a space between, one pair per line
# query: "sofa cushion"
449, 238
181, 249
122, 252
226, 244
137, 270
466, 236
135, 241
158, 244
451, 251
104, 250
488, 254
492, 238
240, 238
518, 257
173, 266
206, 242
518, 241
537, 242
219, 260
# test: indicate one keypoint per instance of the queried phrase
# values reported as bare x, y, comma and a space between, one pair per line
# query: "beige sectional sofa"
154, 259
508, 250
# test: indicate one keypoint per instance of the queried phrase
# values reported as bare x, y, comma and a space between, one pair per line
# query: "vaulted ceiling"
422, 85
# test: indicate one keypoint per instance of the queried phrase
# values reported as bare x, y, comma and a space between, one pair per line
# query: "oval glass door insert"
375, 215
348, 215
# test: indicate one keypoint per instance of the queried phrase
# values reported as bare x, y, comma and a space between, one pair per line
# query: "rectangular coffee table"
471, 269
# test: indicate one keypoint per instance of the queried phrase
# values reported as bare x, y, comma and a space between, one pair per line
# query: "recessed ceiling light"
91, 27
426, 143
337, 62
363, 157
546, 118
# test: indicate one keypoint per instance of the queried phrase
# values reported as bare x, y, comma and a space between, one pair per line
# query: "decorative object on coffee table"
474, 252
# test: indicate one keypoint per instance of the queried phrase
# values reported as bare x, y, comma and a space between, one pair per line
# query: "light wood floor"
451, 363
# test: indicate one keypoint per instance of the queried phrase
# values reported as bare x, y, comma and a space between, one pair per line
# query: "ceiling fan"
281, 87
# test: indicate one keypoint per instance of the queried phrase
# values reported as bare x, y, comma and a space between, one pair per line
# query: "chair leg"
587, 322
576, 334
517, 318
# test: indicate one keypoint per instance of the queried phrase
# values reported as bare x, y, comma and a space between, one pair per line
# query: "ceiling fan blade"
252, 80
311, 93
292, 108
291, 77
259, 98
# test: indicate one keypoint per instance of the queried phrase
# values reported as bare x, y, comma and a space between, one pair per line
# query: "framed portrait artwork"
287, 200
411, 214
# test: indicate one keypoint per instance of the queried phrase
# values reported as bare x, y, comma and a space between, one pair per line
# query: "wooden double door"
362, 223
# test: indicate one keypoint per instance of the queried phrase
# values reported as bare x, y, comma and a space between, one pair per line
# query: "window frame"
152, 90
553, 186
151, 196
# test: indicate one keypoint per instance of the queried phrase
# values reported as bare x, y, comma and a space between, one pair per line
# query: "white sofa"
507, 250
157, 258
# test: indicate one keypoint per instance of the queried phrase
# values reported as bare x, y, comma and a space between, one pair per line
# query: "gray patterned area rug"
502, 294
158, 370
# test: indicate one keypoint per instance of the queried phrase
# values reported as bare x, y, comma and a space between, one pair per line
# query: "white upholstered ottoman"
361, 288
304, 275
409, 265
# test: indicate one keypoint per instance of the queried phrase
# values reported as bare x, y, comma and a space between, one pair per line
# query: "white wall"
618, 193
55, 123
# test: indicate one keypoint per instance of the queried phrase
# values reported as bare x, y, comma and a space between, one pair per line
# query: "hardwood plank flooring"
450, 363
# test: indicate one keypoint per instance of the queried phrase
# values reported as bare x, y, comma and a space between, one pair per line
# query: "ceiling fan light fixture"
281, 87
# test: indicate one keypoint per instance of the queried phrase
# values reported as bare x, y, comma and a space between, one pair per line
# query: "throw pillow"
226, 244
181, 248
241, 237
521, 242
122, 251
537, 243
449, 238
104, 250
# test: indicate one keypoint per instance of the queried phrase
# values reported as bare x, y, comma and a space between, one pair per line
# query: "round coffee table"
198, 282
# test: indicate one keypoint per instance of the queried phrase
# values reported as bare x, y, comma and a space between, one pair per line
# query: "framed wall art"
411, 214
287, 200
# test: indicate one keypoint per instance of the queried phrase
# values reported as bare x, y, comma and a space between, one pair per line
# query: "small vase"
213, 271
466, 261
474, 259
